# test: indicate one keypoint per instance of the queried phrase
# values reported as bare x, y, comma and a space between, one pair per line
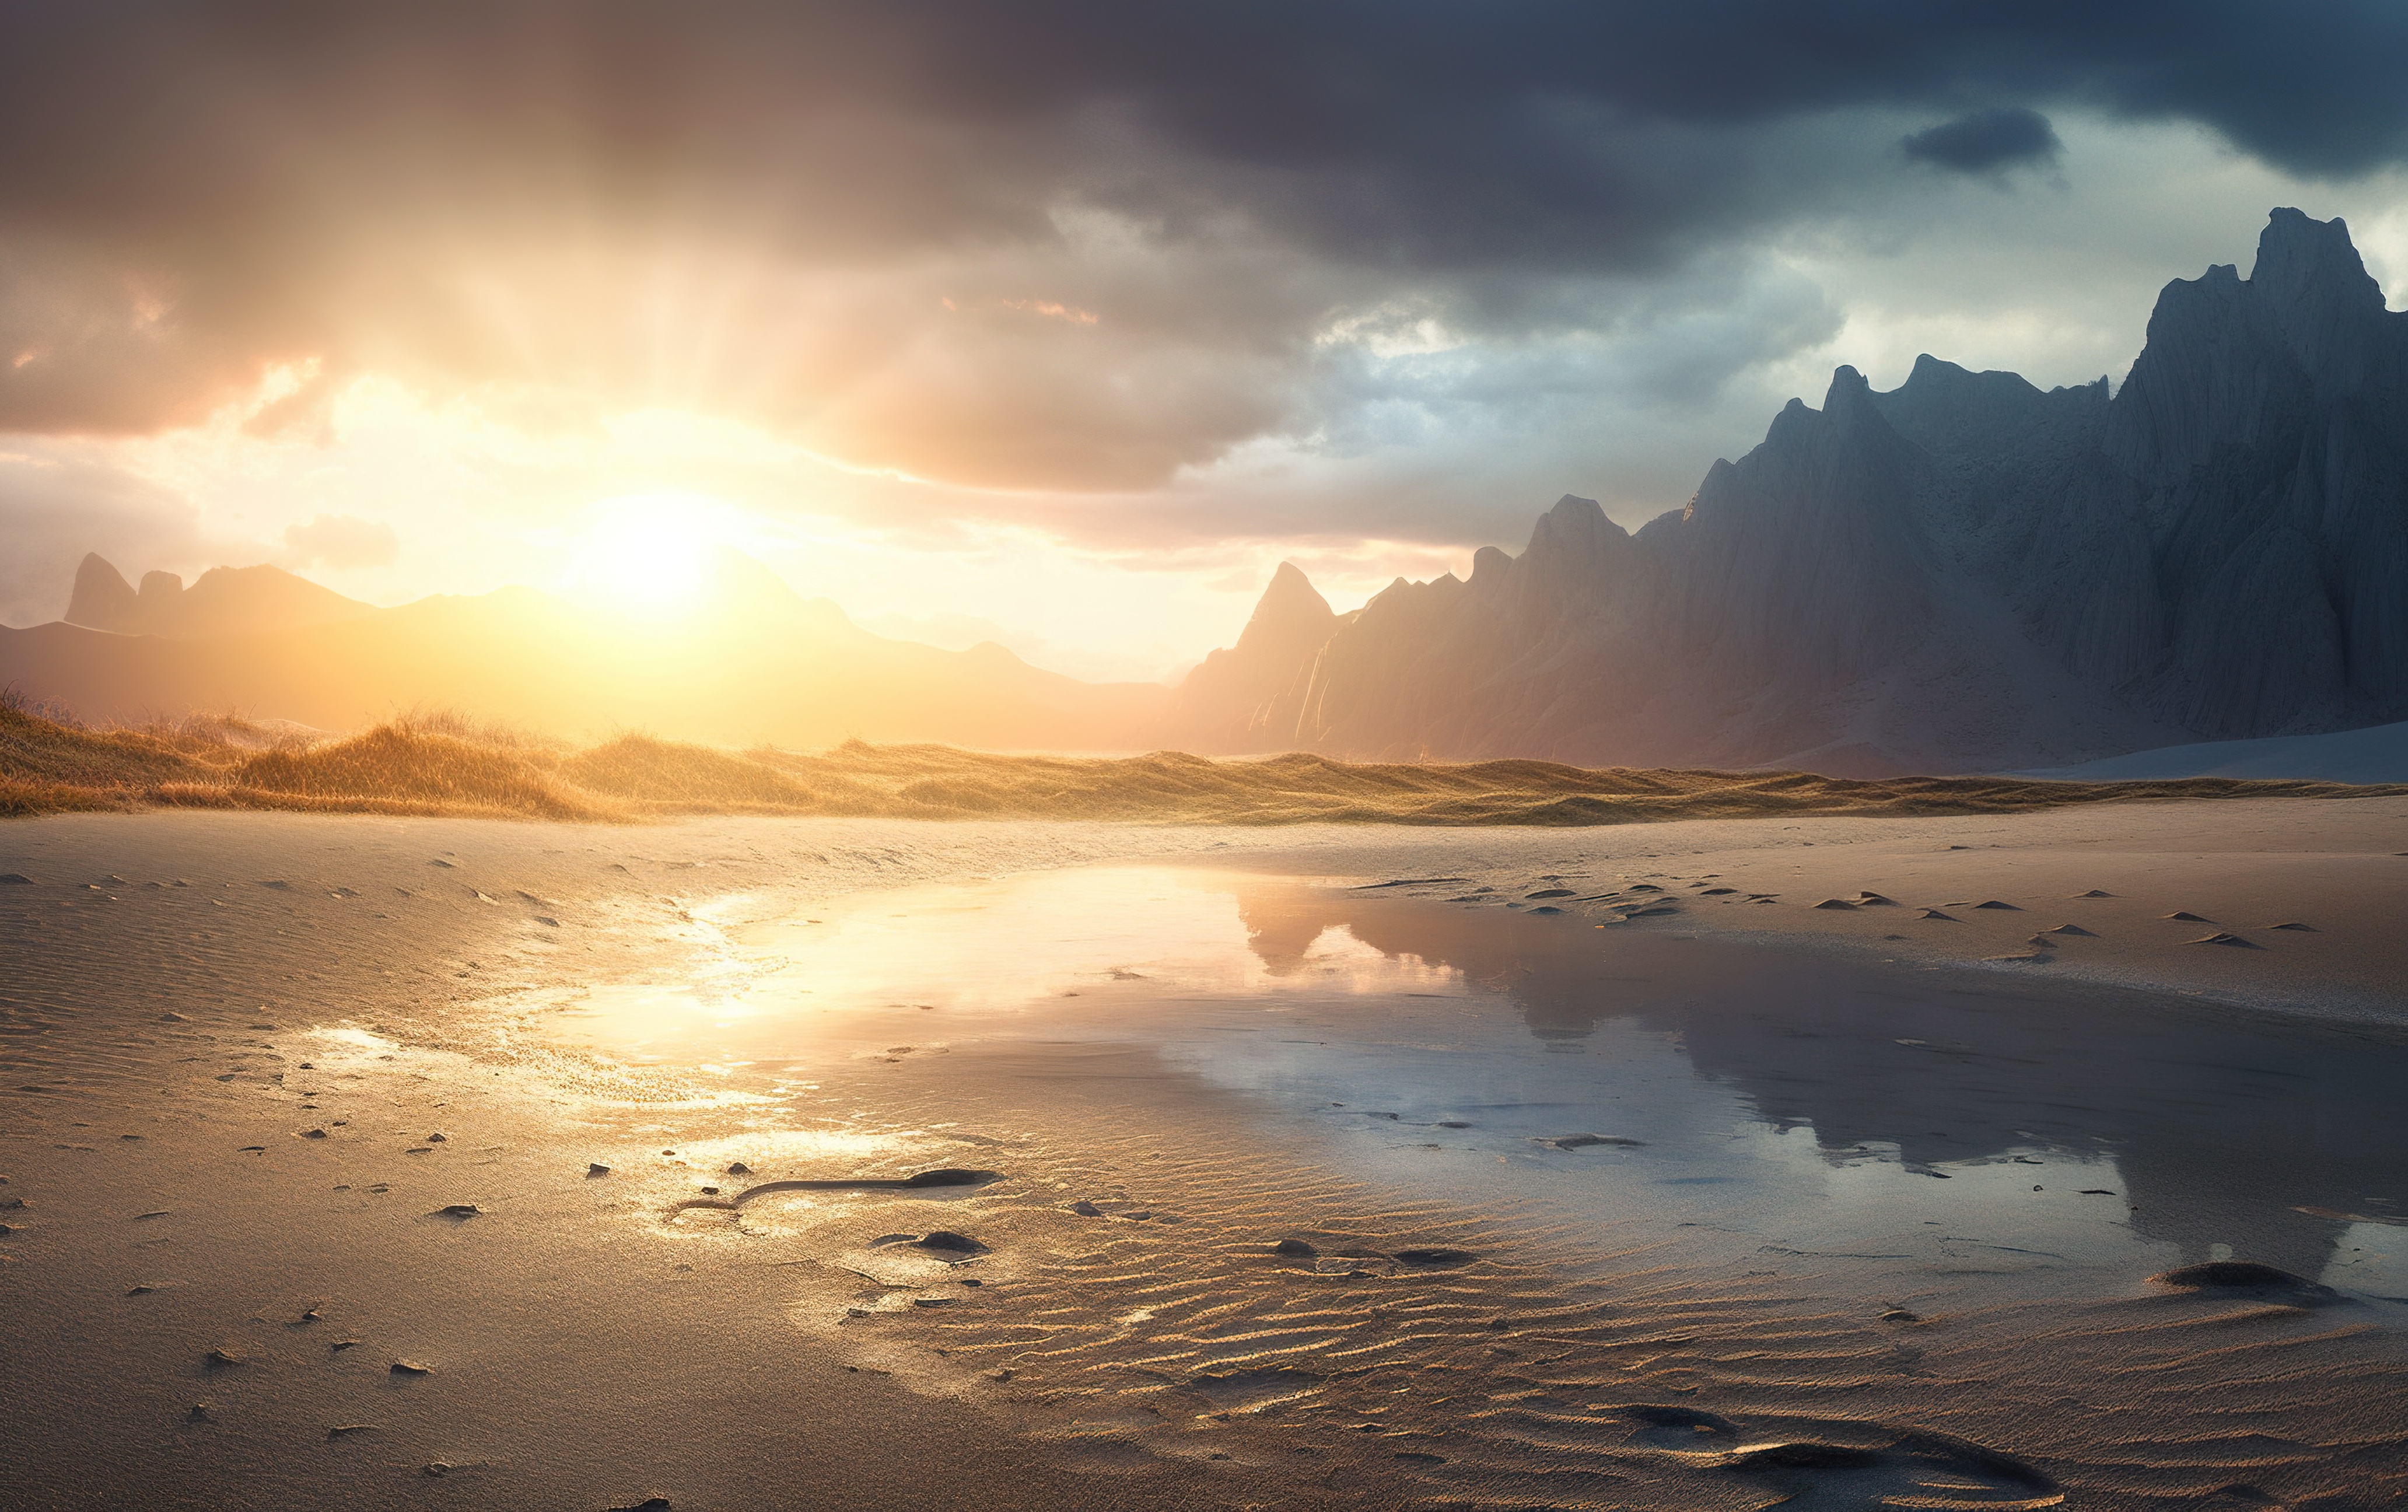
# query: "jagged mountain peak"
102, 597
1962, 572
2304, 263
1290, 608
224, 600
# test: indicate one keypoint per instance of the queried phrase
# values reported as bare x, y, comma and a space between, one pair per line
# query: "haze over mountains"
759, 664
1964, 573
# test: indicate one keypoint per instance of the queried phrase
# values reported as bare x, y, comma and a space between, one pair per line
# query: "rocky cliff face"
1963, 574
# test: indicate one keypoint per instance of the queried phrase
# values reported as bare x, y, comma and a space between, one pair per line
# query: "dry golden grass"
435, 763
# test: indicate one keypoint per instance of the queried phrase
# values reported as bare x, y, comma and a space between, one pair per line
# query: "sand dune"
447, 767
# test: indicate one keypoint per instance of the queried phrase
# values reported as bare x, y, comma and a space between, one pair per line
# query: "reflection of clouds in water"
2370, 1257
1740, 1188
1007, 946
1803, 1107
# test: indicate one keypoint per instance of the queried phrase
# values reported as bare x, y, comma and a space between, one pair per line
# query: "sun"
649, 556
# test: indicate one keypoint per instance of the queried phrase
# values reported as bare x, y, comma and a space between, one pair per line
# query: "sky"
1060, 324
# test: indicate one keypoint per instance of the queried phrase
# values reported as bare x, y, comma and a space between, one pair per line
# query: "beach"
357, 1160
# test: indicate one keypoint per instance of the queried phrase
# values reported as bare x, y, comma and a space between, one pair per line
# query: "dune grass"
435, 764
441, 764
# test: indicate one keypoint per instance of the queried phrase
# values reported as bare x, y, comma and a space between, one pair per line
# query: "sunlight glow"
649, 556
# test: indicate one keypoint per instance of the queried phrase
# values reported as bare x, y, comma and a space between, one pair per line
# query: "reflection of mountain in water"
2222, 1124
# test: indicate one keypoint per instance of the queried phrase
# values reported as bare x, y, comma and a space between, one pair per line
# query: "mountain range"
1963, 574
762, 665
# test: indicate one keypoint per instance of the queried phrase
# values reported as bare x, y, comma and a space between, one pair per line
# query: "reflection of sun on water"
1007, 947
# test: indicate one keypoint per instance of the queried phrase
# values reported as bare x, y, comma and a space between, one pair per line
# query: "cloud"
1985, 141
854, 223
340, 542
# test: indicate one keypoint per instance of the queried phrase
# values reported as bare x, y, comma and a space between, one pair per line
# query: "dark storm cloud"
190, 191
1984, 142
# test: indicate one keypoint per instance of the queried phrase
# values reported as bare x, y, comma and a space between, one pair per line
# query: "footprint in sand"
2185, 916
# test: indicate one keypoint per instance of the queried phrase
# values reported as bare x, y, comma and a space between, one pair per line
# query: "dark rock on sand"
1434, 1258
1295, 1249
945, 1241
2223, 937
219, 1358
921, 1181
460, 1211
410, 1367
1807, 1456
1935, 914
597, 1169
1582, 1141
2305, 928
2186, 916
1995, 903
1549, 892
2265, 1281
1679, 1428
1835, 902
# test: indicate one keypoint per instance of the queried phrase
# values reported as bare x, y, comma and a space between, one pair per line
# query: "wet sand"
1620, 1211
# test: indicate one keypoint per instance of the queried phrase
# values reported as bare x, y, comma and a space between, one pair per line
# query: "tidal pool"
1770, 1106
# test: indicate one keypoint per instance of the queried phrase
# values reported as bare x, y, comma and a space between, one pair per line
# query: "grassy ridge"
444, 765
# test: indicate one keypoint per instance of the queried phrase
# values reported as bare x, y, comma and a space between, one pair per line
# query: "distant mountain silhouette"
1964, 573
227, 600
760, 665
1250, 692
